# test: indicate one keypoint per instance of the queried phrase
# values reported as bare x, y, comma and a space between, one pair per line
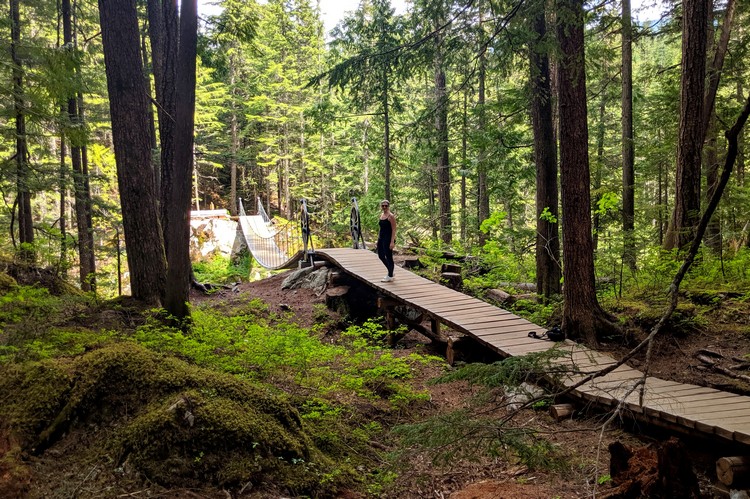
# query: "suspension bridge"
681, 408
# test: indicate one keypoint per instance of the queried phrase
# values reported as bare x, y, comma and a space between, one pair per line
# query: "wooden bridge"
677, 406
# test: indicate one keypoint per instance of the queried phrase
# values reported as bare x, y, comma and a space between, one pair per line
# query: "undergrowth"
487, 427
180, 426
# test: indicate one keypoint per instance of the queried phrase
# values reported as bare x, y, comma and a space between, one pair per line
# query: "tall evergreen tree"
86, 256
686, 210
23, 192
548, 270
369, 41
128, 106
582, 314
628, 149
177, 180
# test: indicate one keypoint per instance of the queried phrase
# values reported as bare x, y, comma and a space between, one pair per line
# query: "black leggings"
385, 253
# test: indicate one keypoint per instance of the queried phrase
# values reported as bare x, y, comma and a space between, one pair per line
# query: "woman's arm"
392, 218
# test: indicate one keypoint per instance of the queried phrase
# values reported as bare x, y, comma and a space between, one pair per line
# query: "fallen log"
561, 411
734, 471
500, 296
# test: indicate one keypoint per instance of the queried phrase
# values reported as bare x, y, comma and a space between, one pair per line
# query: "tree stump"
734, 471
338, 278
452, 280
413, 263
451, 267
336, 299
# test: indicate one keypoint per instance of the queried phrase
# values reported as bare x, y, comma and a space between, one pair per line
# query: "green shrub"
222, 270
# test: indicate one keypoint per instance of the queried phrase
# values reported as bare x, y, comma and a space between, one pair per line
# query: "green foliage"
510, 372
55, 343
463, 435
250, 346
536, 312
221, 269
29, 303
547, 216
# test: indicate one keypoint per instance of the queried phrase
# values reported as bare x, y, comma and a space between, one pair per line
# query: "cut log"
500, 296
734, 471
336, 299
413, 263
338, 278
529, 287
451, 267
561, 411
452, 280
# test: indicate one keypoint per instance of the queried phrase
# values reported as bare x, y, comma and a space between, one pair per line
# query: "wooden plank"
477, 317
449, 305
501, 329
479, 328
676, 405
490, 321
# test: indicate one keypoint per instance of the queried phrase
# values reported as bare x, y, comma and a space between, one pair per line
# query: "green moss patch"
170, 420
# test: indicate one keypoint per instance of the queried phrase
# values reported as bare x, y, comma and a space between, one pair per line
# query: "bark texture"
582, 314
686, 211
128, 104
548, 270
177, 232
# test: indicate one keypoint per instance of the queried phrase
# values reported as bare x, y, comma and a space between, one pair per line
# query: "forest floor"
714, 326
709, 334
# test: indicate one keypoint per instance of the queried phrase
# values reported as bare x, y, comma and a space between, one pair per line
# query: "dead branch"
732, 149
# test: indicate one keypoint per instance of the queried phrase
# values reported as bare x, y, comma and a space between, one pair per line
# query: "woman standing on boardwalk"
386, 238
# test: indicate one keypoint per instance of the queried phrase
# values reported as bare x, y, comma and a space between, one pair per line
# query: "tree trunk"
443, 165
178, 204
548, 270
62, 179
582, 314
86, 256
128, 106
713, 230
164, 35
386, 133
686, 211
235, 138
717, 65
25, 221
483, 205
464, 132
628, 150
598, 165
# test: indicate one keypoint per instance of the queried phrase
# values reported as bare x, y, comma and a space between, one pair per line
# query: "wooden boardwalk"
678, 406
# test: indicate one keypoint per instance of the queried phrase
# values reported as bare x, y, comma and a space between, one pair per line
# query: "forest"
560, 144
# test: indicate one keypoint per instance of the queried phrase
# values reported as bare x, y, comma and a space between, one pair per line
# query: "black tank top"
385, 230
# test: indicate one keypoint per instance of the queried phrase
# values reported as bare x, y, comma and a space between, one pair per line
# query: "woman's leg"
382, 251
389, 264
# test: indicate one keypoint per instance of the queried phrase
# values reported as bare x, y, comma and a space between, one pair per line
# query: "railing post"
355, 226
307, 260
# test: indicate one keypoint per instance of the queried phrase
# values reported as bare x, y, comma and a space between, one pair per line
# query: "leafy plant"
221, 269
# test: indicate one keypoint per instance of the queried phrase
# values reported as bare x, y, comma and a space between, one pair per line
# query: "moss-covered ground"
244, 401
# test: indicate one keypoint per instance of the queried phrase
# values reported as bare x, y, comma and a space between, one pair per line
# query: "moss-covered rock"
6, 283
174, 422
